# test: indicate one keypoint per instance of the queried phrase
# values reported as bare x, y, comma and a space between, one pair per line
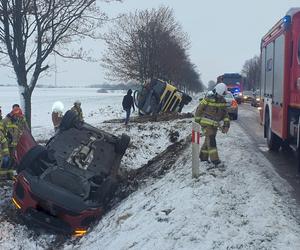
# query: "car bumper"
34, 210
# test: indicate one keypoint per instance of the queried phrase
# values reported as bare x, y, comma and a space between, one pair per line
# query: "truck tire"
122, 144
69, 120
29, 159
273, 141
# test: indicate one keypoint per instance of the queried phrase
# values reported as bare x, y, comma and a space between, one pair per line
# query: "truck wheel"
69, 120
122, 144
30, 158
273, 141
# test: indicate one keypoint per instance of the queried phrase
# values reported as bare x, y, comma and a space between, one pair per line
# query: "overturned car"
67, 184
157, 96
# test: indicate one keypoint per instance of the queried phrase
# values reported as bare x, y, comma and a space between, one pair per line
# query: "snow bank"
235, 209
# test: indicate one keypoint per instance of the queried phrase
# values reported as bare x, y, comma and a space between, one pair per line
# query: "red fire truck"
234, 83
280, 82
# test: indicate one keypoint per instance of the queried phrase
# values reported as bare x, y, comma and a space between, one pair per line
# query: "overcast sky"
223, 34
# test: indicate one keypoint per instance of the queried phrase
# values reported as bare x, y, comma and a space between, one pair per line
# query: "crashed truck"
67, 185
157, 96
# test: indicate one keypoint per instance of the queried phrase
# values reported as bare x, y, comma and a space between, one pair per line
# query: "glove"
225, 130
5, 161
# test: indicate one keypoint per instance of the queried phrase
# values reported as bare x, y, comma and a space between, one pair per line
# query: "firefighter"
77, 109
4, 152
14, 124
210, 112
57, 114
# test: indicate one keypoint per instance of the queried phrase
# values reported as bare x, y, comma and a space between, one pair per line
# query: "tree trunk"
25, 96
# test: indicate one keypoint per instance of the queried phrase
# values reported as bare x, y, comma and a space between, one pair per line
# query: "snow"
246, 206
235, 209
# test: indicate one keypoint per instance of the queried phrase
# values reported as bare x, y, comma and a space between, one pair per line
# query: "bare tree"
251, 72
30, 30
145, 44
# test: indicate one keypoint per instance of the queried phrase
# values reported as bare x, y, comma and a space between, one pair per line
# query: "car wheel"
32, 155
273, 141
69, 120
122, 144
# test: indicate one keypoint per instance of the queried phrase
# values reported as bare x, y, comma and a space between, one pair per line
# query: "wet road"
283, 161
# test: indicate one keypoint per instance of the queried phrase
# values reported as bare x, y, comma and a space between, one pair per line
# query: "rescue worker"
77, 109
127, 104
57, 114
14, 124
210, 112
4, 152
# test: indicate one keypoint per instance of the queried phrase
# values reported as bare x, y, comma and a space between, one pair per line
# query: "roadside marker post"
195, 150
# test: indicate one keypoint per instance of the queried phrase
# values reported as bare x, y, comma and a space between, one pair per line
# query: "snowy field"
96, 107
246, 206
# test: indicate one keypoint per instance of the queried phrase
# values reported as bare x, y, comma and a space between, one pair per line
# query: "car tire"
122, 144
31, 156
69, 120
273, 141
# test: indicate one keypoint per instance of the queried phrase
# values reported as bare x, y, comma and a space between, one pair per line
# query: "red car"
67, 185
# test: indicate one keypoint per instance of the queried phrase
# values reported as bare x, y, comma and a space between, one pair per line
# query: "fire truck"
280, 82
234, 84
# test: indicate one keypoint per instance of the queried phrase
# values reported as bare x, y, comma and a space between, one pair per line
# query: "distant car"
248, 96
232, 105
67, 184
238, 96
256, 100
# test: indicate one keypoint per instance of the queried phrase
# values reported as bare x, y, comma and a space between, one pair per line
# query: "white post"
195, 150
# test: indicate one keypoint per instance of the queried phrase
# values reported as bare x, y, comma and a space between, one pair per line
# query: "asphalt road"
283, 161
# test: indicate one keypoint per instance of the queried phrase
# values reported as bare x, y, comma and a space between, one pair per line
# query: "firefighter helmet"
220, 88
58, 107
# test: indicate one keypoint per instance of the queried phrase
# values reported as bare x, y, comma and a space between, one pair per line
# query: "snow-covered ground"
239, 208
247, 206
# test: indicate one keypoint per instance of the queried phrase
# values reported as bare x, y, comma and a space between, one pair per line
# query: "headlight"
245, 97
257, 99
240, 94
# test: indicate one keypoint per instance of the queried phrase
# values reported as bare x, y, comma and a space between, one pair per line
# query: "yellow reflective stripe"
203, 102
11, 126
3, 140
206, 121
197, 119
204, 151
5, 150
217, 105
226, 120
211, 151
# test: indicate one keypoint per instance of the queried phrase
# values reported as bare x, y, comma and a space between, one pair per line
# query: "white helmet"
220, 88
58, 107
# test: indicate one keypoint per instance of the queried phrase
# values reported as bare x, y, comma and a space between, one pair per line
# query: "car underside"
68, 184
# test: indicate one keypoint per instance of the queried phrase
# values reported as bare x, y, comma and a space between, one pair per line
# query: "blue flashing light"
236, 90
287, 20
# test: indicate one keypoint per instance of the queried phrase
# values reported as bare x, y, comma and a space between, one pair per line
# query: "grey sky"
223, 34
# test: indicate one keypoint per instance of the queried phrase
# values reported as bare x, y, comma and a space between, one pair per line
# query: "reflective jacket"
14, 128
211, 111
3, 142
